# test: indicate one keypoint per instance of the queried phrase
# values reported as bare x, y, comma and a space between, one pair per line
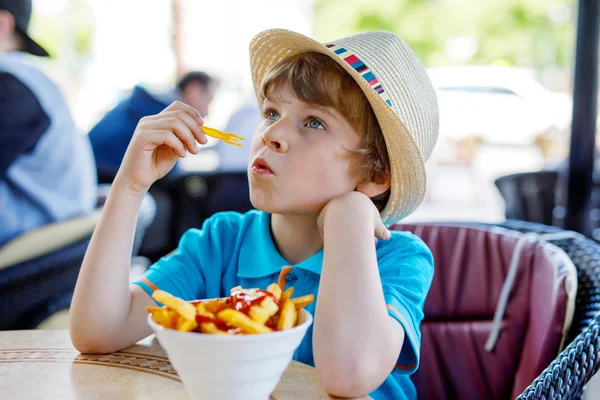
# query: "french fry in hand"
303, 301
288, 316
240, 320
182, 307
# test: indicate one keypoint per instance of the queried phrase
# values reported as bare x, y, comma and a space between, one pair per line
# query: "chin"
272, 206
260, 201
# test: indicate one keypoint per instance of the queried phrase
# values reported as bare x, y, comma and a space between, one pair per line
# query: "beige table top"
43, 364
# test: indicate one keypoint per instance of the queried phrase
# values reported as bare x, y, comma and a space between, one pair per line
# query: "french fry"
288, 316
202, 309
274, 320
209, 327
240, 320
287, 294
275, 290
269, 305
166, 318
259, 314
222, 316
214, 305
282, 275
183, 308
185, 325
303, 301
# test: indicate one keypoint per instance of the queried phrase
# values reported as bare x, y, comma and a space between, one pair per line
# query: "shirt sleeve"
22, 120
406, 270
196, 263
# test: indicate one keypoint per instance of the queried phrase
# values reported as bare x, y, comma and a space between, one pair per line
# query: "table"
42, 364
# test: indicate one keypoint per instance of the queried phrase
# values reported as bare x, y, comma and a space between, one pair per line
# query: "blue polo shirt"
237, 249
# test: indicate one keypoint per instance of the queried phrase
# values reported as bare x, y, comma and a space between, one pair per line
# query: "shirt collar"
259, 256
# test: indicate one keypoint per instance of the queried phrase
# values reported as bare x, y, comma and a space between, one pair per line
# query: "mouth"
261, 167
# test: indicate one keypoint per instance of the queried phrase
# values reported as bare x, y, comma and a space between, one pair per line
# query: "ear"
372, 189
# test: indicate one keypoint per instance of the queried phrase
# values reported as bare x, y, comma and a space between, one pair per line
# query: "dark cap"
21, 11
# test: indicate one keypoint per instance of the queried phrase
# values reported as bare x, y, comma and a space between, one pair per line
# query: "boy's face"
299, 159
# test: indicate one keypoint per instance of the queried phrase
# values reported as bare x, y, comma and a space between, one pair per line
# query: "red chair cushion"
470, 268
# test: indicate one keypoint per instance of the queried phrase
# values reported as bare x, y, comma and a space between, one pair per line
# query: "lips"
261, 165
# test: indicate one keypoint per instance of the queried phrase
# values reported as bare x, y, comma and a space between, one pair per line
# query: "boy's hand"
157, 143
353, 205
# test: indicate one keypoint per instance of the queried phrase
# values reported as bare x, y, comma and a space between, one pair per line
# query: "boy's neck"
296, 237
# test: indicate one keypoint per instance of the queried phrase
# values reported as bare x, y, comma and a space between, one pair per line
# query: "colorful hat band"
362, 69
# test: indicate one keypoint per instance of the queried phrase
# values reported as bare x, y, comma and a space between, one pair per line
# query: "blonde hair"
317, 79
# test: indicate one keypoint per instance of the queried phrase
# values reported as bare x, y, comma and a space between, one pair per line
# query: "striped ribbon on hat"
360, 67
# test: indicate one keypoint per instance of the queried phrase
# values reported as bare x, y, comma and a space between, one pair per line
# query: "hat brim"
408, 176
32, 47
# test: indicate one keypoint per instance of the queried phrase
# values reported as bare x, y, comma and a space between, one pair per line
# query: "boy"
346, 128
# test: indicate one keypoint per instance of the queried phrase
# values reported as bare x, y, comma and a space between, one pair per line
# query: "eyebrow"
323, 109
276, 99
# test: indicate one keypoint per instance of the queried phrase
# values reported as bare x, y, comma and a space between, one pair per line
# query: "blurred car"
499, 106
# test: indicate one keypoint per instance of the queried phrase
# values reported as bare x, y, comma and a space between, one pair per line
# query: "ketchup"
201, 318
242, 300
220, 324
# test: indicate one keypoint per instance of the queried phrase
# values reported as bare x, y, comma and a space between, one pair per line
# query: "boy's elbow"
88, 343
354, 380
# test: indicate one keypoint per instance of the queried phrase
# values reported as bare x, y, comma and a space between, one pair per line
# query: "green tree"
511, 32
70, 31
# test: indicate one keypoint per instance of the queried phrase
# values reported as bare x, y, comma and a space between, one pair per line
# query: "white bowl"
244, 367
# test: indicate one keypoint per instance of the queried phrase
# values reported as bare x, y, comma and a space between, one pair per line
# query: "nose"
274, 136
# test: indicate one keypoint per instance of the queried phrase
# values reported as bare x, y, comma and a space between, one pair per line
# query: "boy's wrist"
131, 190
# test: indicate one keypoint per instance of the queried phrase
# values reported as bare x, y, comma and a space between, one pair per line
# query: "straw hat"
397, 87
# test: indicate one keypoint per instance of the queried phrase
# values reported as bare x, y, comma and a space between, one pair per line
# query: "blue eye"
315, 124
272, 115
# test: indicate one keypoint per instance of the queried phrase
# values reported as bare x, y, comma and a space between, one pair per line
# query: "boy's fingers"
166, 137
193, 125
381, 232
191, 111
175, 124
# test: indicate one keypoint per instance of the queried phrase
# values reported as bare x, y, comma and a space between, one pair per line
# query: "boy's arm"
106, 315
356, 343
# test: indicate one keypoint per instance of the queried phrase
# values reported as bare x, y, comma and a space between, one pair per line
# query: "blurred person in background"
110, 137
47, 170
